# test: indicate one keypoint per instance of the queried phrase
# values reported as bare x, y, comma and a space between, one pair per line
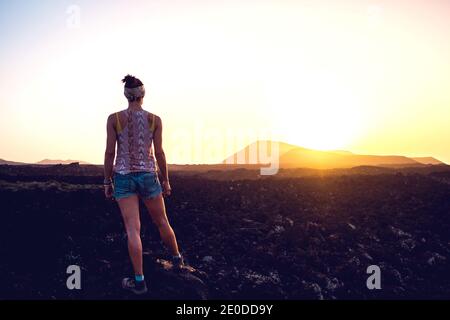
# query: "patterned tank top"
134, 142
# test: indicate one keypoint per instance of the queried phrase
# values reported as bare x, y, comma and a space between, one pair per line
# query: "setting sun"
322, 112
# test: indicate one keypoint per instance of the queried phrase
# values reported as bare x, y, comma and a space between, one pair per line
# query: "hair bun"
131, 81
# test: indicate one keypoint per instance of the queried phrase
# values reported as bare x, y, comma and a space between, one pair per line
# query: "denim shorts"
143, 184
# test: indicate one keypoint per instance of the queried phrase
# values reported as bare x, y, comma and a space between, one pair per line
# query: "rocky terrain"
309, 237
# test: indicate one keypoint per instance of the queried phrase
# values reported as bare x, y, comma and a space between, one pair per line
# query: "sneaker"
177, 261
137, 287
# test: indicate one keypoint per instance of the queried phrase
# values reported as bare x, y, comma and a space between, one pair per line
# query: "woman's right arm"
160, 156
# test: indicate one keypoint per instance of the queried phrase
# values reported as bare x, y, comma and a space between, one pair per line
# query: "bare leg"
130, 212
157, 211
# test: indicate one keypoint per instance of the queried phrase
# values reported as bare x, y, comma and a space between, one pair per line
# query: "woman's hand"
167, 190
108, 191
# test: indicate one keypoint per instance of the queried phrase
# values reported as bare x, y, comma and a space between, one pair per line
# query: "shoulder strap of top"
118, 126
151, 122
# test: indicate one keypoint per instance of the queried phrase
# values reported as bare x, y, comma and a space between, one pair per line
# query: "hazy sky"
370, 77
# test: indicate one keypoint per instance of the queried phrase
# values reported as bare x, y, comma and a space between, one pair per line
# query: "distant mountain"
11, 163
427, 160
49, 161
342, 152
251, 153
291, 156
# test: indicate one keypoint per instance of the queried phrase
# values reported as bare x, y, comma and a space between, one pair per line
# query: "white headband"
134, 93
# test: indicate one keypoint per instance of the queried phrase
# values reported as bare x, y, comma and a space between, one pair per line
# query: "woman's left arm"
110, 153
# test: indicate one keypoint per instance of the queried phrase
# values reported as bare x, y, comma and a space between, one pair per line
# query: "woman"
134, 175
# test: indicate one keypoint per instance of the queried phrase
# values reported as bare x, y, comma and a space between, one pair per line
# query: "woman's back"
134, 141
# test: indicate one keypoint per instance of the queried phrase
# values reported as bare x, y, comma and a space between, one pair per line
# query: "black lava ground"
302, 238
